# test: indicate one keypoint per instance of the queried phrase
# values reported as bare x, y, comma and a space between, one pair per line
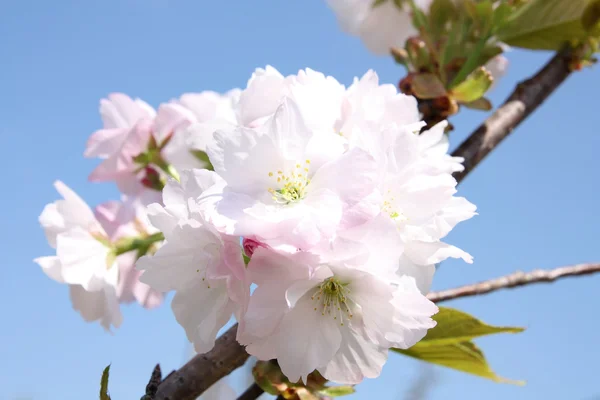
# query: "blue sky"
536, 193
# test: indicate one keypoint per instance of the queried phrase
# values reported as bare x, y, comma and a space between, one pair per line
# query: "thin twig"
513, 280
202, 371
526, 98
252, 393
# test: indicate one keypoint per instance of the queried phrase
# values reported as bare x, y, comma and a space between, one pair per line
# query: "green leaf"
461, 356
427, 86
480, 104
546, 24
501, 15
202, 156
104, 384
474, 86
473, 61
337, 391
440, 12
377, 3
454, 326
591, 16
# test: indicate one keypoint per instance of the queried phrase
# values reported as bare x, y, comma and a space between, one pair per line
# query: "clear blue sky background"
537, 193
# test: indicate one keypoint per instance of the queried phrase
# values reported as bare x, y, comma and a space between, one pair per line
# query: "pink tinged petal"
273, 272
202, 311
382, 241
422, 274
433, 136
412, 316
120, 111
73, 209
352, 176
324, 212
52, 222
288, 130
163, 220
170, 118
457, 209
357, 357
98, 305
117, 218
269, 86
320, 98
181, 260
422, 198
51, 267
105, 142
121, 162
425, 253
129, 286
244, 158
306, 340
373, 296
324, 147
386, 26
84, 259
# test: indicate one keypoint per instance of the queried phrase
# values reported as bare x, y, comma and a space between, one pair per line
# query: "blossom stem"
141, 244
165, 166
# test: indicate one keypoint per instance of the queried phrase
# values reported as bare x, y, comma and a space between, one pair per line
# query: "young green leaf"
547, 24
461, 356
337, 391
473, 87
454, 326
104, 384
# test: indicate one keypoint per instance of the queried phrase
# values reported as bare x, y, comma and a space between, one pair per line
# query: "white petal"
84, 259
425, 253
52, 267
357, 358
202, 311
306, 341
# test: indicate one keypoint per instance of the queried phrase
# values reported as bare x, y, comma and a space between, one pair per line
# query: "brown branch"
513, 280
526, 98
252, 393
202, 371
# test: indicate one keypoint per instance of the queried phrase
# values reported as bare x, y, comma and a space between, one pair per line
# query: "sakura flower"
83, 258
144, 151
212, 111
331, 316
204, 267
277, 191
124, 220
380, 25
119, 113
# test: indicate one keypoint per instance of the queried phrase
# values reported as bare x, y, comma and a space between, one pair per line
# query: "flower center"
390, 208
291, 187
332, 299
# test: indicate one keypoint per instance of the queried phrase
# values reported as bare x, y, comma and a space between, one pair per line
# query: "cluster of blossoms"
385, 24
311, 212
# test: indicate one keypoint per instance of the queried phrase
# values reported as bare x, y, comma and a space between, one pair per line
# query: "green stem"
165, 166
141, 244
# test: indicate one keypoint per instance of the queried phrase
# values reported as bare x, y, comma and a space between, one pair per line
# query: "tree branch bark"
513, 280
525, 99
252, 393
204, 370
